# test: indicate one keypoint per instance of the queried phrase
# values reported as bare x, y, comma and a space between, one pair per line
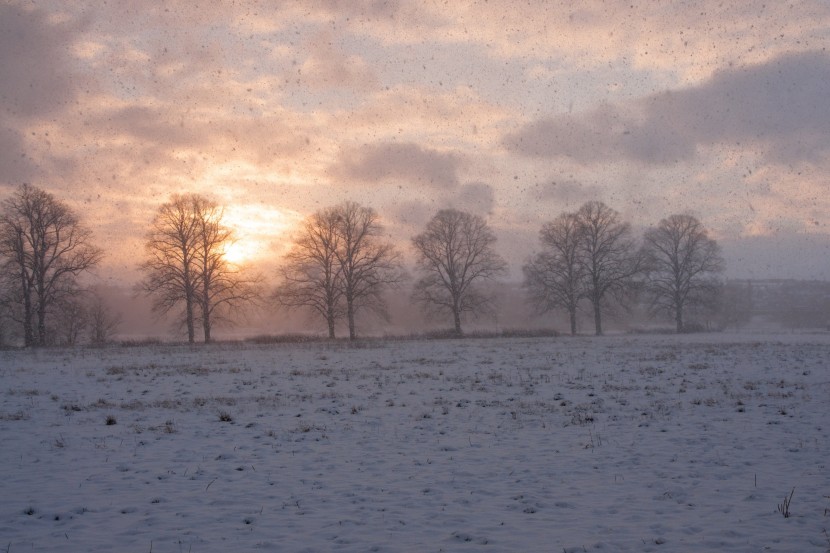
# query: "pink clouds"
417, 106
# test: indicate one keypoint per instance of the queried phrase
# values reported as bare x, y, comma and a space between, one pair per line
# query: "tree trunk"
206, 327
41, 318
191, 331
350, 317
678, 318
598, 318
28, 329
457, 320
206, 311
572, 315
331, 316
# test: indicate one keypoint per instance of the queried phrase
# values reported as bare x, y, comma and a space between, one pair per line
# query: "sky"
516, 111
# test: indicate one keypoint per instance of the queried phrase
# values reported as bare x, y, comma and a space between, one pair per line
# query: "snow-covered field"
609, 444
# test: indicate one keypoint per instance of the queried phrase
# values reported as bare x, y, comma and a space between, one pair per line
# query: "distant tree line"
590, 255
339, 265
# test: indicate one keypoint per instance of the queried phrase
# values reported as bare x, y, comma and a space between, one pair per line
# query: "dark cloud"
34, 59
567, 191
407, 163
413, 214
328, 65
150, 125
15, 165
35, 82
367, 9
781, 106
477, 197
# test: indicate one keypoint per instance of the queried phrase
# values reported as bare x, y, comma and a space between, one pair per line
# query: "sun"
256, 227
240, 251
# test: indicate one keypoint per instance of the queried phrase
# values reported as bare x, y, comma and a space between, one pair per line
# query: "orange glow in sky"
515, 111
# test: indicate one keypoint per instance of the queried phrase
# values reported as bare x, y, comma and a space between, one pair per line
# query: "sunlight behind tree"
257, 227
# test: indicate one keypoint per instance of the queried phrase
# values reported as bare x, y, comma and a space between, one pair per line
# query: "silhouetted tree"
186, 263
310, 272
608, 256
367, 265
43, 249
221, 286
103, 322
682, 264
555, 277
170, 271
70, 321
453, 254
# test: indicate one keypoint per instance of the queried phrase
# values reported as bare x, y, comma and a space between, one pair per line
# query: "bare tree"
103, 321
171, 275
70, 320
453, 254
608, 256
683, 265
186, 264
555, 277
221, 289
367, 265
44, 248
310, 273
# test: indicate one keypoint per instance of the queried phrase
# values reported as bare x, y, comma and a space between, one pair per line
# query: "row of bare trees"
45, 248
591, 255
340, 265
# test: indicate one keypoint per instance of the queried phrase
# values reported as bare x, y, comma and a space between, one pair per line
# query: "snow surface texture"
613, 444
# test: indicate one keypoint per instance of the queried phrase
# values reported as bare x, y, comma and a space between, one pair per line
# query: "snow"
620, 443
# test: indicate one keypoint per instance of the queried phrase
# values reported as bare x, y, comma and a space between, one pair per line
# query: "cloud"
476, 197
409, 214
33, 62
568, 191
327, 66
34, 82
406, 163
15, 165
780, 106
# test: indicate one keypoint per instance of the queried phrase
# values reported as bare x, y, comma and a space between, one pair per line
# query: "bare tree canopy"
43, 249
453, 254
222, 289
554, 278
367, 264
170, 267
103, 321
339, 266
608, 256
186, 263
683, 265
310, 273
